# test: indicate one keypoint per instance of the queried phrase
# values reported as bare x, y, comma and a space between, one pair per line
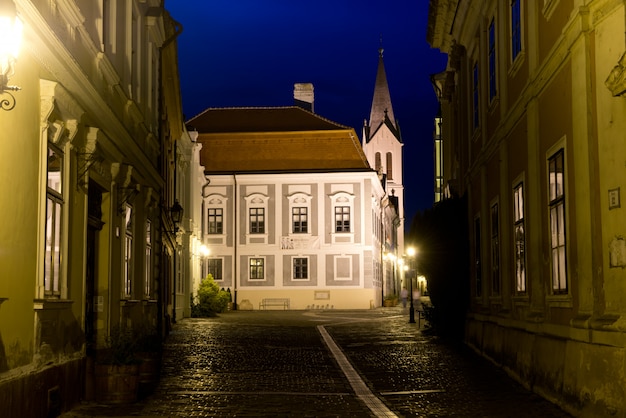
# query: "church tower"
382, 143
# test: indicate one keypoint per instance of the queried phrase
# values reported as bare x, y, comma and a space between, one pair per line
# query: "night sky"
236, 53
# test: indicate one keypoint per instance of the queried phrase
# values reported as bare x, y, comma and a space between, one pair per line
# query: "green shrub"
210, 300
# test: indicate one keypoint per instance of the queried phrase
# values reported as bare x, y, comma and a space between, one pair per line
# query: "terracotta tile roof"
260, 119
233, 140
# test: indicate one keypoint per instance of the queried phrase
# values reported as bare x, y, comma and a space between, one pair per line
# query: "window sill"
49, 304
521, 299
494, 102
129, 302
517, 63
560, 301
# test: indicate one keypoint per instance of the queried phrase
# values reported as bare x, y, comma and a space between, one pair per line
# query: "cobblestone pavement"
276, 364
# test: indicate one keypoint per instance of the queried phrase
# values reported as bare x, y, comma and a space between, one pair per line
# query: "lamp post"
411, 253
10, 40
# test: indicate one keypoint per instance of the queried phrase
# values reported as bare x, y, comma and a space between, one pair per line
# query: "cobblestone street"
277, 364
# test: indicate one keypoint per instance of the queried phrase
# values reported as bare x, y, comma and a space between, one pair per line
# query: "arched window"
389, 166
378, 162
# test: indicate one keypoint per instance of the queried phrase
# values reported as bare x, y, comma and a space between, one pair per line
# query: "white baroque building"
292, 210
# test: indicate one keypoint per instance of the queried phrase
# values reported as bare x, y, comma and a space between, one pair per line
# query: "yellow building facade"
532, 132
87, 183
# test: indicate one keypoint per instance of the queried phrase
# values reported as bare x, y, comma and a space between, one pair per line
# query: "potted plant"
117, 368
149, 346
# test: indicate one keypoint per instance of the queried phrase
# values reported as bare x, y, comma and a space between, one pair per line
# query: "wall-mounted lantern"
177, 213
10, 41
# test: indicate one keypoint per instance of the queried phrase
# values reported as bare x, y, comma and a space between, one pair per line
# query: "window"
477, 258
214, 268
215, 221
520, 238
257, 220
342, 207
342, 219
378, 162
492, 59
389, 166
180, 272
128, 250
257, 268
495, 250
475, 96
516, 29
148, 261
54, 216
299, 220
556, 168
300, 268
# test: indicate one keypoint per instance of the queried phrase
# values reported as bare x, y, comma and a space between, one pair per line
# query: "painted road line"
377, 406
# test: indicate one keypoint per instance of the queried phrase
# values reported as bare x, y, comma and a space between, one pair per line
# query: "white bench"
267, 302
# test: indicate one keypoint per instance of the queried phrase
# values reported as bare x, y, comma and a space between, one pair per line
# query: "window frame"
53, 265
302, 270
215, 201
494, 234
492, 59
342, 199
300, 200
557, 207
516, 29
128, 220
342, 215
215, 264
148, 260
256, 220
259, 266
215, 221
299, 226
257, 201
519, 238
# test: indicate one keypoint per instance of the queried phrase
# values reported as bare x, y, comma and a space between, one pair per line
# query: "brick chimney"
303, 95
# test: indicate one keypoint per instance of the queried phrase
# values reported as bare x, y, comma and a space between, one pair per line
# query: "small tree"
210, 300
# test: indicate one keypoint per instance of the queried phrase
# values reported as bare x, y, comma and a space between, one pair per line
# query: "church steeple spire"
381, 104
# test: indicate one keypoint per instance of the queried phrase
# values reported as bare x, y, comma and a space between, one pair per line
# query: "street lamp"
204, 251
411, 253
10, 40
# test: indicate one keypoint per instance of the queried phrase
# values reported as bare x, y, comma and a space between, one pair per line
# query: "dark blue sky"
251, 52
